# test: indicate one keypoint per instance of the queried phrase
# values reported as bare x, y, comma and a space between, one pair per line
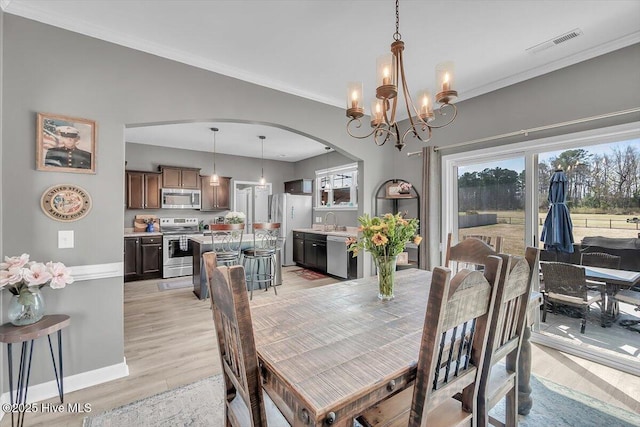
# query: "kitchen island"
202, 244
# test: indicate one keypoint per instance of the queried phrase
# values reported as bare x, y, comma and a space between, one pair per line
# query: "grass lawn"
597, 225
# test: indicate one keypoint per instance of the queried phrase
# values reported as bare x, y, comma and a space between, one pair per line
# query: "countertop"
142, 234
349, 232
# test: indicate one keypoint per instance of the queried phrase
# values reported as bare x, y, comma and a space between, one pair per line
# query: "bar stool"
262, 256
226, 242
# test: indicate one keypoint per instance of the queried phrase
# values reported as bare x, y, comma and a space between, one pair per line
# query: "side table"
26, 335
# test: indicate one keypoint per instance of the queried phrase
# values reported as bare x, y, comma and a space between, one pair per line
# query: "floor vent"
555, 41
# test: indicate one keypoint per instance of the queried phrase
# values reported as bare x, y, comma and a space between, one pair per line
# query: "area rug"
309, 274
200, 404
178, 284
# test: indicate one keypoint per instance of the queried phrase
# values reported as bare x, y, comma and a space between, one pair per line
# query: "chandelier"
390, 69
214, 180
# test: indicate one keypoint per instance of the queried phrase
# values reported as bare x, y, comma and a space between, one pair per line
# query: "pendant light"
214, 180
327, 186
263, 182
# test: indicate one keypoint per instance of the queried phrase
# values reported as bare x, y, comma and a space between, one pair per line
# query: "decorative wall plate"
65, 202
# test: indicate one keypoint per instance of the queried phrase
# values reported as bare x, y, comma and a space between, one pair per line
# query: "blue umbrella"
557, 232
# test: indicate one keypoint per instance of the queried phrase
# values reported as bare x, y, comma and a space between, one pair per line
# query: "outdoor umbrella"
557, 232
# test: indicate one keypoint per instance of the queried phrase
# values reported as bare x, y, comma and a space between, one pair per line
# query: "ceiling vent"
555, 41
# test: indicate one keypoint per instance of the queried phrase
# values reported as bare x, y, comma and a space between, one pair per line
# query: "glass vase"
26, 308
386, 276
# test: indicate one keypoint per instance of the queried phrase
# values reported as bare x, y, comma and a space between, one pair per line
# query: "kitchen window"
337, 187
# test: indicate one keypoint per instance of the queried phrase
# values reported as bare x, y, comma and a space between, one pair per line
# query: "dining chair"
452, 350
600, 259
469, 253
567, 284
499, 378
246, 404
497, 246
262, 256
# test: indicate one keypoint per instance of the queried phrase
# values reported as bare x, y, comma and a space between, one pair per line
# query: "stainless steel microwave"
180, 198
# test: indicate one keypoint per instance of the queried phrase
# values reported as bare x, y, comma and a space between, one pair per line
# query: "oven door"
177, 253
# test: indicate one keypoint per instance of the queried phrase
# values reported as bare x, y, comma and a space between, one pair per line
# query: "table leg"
22, 386
525, 402
59, 379
10, 362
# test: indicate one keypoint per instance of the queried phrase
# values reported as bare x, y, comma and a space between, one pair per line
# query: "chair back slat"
454, 339
234, 330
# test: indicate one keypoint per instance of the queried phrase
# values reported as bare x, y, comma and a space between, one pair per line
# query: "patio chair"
630, 297
246, 404
600, 259
499, 377
469, 253
452, 349
566, 284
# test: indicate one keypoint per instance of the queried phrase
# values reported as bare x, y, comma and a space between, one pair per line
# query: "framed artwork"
400, 189
65, 144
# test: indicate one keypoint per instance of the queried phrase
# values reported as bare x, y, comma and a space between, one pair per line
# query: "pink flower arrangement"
18, 274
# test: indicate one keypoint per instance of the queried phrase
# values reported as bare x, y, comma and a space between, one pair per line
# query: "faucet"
335, 221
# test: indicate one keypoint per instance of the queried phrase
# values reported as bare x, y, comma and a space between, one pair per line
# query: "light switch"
65, 239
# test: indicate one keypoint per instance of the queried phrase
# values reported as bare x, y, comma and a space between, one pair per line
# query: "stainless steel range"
177, 250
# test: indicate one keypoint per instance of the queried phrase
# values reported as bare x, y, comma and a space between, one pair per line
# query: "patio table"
614, 279
330, 352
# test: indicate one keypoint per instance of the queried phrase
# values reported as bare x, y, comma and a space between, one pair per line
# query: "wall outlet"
65, 239
318, 219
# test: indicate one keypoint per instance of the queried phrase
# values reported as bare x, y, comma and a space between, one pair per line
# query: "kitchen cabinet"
315, 251
143, 190
298, 186
298, 247
142, 258
215, 198
178, 177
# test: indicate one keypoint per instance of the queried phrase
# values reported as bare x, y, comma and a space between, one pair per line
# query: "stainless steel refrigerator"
292, 211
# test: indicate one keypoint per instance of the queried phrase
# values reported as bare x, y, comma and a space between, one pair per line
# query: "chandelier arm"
453, 117
387, 134
417, 134
358, 126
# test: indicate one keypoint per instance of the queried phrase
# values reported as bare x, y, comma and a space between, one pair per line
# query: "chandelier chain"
397, 36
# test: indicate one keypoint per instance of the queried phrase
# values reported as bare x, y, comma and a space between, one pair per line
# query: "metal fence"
630, 224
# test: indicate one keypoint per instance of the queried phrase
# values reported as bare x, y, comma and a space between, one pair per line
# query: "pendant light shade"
263, 181
214, 180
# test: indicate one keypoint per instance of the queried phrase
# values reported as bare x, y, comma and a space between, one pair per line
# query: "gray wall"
117, 86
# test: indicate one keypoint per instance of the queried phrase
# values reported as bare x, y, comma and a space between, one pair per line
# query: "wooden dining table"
330, 352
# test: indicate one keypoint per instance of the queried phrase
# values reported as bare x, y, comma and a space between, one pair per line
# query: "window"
337, 187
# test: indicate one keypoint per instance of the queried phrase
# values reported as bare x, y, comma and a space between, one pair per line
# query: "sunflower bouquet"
384, 236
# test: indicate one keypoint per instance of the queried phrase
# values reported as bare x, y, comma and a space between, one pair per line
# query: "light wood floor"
170, 342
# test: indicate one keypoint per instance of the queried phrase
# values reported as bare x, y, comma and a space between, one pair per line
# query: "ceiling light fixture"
263, 182
214, 180
327, 185
390, 67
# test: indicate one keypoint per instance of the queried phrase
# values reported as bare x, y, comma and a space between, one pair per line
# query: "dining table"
328, 353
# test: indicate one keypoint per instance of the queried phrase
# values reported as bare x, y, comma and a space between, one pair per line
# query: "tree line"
607, 182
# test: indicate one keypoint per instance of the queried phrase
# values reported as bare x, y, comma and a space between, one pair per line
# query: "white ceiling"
312, 48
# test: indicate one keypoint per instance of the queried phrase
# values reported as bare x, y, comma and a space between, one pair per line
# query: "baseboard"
72, 383
593, 354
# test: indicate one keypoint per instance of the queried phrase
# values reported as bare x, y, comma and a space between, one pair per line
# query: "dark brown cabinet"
299, 186
143, 190
215, 198
142, 258
177, 177
310, 250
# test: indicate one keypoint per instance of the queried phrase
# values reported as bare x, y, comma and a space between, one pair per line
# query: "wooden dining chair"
499, 377
469, 253
246, 404
497, 241
452, 351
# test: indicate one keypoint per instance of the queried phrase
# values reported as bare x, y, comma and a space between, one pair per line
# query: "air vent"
555, 41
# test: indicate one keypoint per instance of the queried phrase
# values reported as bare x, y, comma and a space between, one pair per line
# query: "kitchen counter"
349, 232
142, 234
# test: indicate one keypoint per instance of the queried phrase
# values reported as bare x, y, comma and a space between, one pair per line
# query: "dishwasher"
337, 256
